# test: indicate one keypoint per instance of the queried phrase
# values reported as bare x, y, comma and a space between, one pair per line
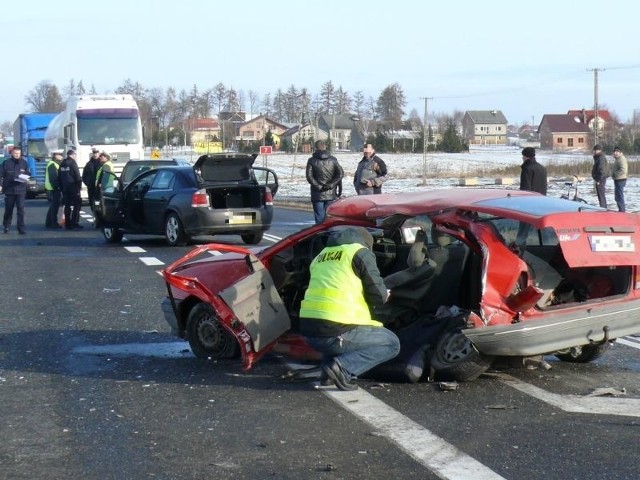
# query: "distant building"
255, 130
485, 127
561, 133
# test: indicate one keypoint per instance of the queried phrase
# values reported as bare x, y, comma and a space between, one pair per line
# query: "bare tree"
45, 97
253, 102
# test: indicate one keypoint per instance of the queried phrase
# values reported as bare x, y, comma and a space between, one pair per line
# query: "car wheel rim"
108, 233
172, 229
210, 333
457, 348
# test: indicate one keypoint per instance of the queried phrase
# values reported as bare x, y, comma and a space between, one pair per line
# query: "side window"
163, 181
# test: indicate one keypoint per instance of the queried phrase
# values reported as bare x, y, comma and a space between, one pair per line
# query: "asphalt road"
92, 386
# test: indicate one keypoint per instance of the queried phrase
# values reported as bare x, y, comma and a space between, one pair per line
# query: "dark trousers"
72, 204
92, 196
54, 206
619, 193
12, 200
602, 199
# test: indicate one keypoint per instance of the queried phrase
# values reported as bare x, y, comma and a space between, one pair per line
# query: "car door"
110, 210
267, 177
157, 198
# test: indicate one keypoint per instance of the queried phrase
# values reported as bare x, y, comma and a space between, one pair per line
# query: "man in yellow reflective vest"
102, 180
336, 312
54, 191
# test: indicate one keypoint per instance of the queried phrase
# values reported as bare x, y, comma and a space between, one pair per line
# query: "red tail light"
268, 198
200, 198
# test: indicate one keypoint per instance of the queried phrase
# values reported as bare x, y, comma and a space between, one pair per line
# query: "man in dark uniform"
71, 183
14, 174
89, 175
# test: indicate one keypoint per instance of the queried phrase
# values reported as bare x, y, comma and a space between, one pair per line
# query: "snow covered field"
444, 171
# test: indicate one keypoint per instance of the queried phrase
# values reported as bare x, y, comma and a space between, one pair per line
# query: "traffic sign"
265, 150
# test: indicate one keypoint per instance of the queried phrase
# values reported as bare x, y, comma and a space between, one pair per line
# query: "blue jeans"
619, 193
320, 209
358, 350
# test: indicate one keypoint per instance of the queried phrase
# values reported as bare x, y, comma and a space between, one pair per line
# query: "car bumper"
208, 221
170, 316
558, 332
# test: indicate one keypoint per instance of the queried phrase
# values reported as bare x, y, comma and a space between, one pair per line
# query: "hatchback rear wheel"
207, 337
583, 353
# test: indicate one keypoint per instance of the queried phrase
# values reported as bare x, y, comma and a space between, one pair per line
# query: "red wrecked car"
503, 273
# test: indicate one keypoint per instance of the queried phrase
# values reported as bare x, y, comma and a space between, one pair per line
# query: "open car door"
267, 177
108, 212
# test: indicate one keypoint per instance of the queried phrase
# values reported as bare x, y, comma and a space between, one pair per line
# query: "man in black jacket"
371, 172
600, 172
14, 173
533, 176
324, 174
89, 175
71, 183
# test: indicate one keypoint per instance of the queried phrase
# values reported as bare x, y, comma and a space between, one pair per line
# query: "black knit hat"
529, 152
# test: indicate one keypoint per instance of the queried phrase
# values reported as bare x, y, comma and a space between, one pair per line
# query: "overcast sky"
524, 58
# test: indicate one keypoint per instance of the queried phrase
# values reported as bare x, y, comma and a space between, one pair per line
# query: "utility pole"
595, 102
425, 134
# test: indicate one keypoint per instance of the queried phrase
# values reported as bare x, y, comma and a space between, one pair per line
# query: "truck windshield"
37, 149
108, 126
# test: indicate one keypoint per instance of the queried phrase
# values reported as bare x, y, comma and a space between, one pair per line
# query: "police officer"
14, 173
52, 186
102, 180
335, 315
89, 175
71, 184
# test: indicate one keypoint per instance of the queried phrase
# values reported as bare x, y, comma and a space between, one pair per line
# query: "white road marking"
442, 458
629, 342
135, 249
157, 350
272, 238
626, 407
149, 261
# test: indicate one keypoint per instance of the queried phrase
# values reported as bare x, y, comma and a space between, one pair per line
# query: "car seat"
409, 283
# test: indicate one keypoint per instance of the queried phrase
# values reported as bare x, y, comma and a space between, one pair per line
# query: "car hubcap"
457, 348
172, 229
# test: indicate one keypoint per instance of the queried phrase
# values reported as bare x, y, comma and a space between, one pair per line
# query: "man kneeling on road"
335, 316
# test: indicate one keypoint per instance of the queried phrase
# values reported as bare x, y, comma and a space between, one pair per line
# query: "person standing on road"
52, 186
324, 174
14, 174
533, 175
599, 173
335, 315
371, 172
89, 175
102, 180
71, 183
619, 175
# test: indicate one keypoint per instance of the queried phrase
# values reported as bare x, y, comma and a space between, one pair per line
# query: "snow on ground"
443, 170
410, 172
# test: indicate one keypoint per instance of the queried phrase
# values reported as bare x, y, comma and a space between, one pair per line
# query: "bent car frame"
525, 275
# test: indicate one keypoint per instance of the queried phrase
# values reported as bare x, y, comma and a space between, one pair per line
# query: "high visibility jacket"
105, 167
50, 183
335, 292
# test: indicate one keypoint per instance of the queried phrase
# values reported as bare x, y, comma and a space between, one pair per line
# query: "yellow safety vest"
335, 292
47, 182
109, 168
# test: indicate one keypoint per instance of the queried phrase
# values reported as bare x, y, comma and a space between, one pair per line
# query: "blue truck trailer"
28, 133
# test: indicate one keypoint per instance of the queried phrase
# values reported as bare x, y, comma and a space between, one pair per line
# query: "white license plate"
240, 219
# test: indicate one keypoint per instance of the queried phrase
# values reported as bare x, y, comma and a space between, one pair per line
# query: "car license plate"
239, 219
